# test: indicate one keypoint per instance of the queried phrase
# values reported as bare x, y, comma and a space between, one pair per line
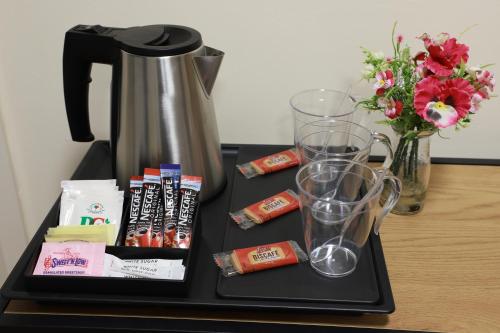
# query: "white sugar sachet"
167, 269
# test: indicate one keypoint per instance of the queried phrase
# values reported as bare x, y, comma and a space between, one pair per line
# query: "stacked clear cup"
339, 194
339, 201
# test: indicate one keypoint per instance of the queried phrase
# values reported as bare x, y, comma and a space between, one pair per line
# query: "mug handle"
384, 140
391, 201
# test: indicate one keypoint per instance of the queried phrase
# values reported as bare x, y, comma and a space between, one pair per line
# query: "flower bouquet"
420, 94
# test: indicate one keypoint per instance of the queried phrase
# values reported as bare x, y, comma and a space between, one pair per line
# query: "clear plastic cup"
337, 217
321, 104
331, 138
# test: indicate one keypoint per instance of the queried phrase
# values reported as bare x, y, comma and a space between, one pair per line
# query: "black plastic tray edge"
115, 299
388, 307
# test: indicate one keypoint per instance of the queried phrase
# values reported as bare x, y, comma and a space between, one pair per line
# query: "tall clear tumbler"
321, 104
340, 203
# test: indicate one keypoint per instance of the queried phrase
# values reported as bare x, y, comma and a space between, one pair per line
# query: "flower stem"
397, 157
415, 160
406, 157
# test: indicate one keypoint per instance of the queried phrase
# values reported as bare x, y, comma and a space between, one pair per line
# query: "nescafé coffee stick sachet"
271, 163
267, 209
135, 206
257, 258
188, 205
170, 182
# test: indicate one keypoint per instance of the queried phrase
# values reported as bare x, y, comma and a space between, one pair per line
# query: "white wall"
13, 236
273, 49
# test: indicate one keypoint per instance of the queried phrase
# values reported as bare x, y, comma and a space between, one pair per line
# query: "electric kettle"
161, 105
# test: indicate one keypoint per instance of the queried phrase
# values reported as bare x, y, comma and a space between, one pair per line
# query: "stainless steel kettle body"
161, 109
166, 115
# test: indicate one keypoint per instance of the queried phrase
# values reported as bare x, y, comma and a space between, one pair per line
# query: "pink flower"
483, 91
475, 102
384, 80
393, 108
399, 39
443, 103
486, 78
444, 54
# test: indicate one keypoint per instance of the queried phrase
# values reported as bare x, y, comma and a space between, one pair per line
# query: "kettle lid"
158, 40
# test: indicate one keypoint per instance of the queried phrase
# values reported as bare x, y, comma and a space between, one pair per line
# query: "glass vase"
412, 165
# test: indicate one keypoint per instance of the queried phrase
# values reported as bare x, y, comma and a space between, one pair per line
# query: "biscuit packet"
271, 163
265, 210
257, 258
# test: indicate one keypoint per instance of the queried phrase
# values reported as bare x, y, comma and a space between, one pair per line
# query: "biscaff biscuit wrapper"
261, 257
268, 164
265, 210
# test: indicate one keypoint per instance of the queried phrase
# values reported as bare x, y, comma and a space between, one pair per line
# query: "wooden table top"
444, 265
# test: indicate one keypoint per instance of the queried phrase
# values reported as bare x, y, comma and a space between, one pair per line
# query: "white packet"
168, 269
80, 207
91, 182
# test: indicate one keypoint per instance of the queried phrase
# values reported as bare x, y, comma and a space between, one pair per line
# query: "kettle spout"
207, 67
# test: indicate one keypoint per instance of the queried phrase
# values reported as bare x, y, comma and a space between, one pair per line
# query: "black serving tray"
297, 282
202, 292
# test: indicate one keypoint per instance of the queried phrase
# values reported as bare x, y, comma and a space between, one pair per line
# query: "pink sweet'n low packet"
71, 258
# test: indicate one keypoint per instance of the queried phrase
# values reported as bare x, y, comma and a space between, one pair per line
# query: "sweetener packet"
170, 181
168, 269
271, 163
71, 258
96, 233
135, 206
265, 210
148, 208
90, 238
190, 198
257, 258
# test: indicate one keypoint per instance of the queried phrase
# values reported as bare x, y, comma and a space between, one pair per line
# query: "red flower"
443, 103
420, 56
445, 56
393, 108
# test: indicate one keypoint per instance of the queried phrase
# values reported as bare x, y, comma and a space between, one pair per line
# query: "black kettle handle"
84, 45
